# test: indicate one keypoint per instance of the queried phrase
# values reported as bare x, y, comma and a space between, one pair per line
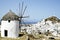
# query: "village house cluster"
51, 25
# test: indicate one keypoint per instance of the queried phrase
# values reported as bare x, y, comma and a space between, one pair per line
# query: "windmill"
22, 10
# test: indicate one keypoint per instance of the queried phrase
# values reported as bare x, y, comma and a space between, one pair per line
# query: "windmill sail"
22, 10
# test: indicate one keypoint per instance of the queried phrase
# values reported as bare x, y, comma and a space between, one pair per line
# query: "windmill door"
5, 33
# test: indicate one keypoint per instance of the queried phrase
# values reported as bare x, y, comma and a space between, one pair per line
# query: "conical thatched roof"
53, 19
10, 16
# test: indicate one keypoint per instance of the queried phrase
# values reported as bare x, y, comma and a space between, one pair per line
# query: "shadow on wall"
20, 35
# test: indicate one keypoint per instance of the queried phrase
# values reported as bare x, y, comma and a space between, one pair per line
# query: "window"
8, 20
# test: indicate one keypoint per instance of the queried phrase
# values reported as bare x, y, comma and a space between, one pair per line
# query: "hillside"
53, 19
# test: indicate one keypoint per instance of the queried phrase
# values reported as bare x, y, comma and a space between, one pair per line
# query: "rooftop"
10, 16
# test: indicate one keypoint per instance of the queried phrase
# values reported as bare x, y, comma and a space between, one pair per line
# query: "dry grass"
24, 37
20, 38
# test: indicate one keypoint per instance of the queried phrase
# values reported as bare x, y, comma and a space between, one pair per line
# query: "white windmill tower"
10, 25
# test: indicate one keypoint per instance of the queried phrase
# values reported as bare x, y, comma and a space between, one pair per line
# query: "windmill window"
9, 21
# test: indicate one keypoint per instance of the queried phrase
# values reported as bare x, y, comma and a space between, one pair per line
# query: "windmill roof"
10, 16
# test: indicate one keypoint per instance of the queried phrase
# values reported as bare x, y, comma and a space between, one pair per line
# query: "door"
6, 33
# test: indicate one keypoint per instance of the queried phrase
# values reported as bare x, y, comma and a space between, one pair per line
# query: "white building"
52, 24
10, 25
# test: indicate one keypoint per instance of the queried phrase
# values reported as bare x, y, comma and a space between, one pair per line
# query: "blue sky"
36, 9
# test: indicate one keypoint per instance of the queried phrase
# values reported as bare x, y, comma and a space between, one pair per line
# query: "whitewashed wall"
48, 25
12, 27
